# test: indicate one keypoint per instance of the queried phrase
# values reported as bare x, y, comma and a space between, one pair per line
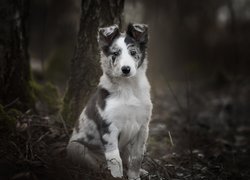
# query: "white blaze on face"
125, 59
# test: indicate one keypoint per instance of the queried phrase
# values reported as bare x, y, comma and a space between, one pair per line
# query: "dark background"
202, 38
199, 61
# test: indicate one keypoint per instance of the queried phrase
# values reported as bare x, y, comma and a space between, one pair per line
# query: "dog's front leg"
136, 152
112, 154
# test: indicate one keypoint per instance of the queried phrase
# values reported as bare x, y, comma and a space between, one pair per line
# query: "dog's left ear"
139, 32
107, 35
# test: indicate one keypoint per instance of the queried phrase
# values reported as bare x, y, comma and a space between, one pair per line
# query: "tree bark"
111, 12
14, 59
85, 66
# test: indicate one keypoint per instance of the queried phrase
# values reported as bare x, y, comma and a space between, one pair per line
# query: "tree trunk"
111, 12
85, 66
14, 60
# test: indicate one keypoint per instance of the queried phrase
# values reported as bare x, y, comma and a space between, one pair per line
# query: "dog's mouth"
127, 75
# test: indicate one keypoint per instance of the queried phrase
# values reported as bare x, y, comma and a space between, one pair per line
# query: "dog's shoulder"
97, 99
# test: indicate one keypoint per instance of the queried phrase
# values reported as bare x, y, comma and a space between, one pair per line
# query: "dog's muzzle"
125, 70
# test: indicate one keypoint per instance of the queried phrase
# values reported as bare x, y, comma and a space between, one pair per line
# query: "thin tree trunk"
14, 60
111, 12
85, 66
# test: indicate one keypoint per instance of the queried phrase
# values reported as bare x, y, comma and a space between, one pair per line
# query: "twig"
42, 160
170, 137
157, 167
29, 148
11, 103
64, 125
41, 137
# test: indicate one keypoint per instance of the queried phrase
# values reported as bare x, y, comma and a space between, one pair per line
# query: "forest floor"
194, 134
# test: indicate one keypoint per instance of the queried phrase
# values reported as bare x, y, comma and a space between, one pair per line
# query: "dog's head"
123, 53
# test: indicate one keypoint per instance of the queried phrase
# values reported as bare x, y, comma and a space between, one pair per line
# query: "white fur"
114, 163
128, 109
125, 58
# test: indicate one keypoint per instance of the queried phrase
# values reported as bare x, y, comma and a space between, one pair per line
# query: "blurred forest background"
199, 61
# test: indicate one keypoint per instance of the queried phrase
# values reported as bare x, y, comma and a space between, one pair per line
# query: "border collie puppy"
112, 129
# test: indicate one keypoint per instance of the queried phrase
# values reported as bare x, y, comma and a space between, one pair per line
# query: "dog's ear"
107, 35
139, 32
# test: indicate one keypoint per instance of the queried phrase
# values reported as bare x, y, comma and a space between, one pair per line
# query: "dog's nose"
125, 69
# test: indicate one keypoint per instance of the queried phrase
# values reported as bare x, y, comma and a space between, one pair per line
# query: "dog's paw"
114, 163
134, 178
133, 175
143, 172
115, 167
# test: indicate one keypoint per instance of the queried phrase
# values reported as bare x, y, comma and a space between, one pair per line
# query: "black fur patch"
139, 34
106, 49
104, 129
143, 51
93, 147
142, 47
107, 35
91, 110
90, 137
119, 136
104, 142
129, 40
103, 94
99, 98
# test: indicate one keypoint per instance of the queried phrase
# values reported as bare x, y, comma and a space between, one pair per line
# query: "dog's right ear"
139, 32
107, 35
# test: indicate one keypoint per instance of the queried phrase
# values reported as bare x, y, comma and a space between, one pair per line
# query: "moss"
156, 144
57, 66
67, 113
8, 118
47, 97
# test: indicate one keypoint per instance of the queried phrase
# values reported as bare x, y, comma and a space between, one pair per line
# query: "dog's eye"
133, 53
116, 53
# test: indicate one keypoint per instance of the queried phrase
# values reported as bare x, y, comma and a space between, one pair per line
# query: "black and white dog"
113, 127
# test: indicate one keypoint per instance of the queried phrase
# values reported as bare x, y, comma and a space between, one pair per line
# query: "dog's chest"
128, 110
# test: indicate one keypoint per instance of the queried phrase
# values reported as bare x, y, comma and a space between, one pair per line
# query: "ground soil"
194, 134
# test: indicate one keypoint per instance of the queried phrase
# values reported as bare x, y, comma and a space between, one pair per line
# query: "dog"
112, 129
